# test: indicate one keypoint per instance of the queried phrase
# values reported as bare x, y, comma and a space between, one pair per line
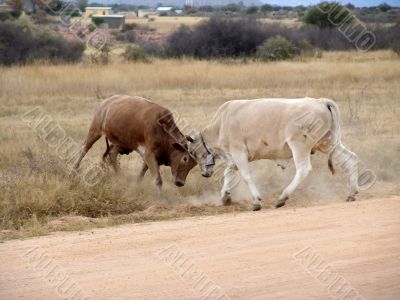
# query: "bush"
40, 17
136, 54
396, 47
129, 26
225, 37
327, 15
125, 35
102, 54
14, 13
386, 37
20, 44
217, 37
276, 48
97, 21
91, 27
307, 49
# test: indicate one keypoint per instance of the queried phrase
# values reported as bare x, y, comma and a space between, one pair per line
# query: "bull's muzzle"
207, 171
179, 183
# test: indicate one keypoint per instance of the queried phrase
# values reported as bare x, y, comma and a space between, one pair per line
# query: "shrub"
327, 15
276, 48
386, 37
234, 37
4, 16
97, 21
217, 37
252, 10
129, 26
102, 54
91, 27
20, 44
179, 42
124, 35
16, 8
136, 54
396, 47
40, 17
306, 48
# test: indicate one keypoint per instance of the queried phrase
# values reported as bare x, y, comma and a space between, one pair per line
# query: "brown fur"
132, 122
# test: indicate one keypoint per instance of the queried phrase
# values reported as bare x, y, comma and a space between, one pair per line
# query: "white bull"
247, 130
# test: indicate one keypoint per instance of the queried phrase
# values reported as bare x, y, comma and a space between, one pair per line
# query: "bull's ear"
178, 147
189, 138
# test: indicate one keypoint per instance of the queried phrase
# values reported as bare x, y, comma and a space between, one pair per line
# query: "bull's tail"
107, 150
335, 130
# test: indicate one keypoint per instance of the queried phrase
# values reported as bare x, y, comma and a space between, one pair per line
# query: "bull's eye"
185, 159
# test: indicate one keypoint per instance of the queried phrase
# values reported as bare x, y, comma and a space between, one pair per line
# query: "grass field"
169, 24
166, 24
38, 194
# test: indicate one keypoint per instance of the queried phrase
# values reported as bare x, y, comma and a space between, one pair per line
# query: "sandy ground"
342, 251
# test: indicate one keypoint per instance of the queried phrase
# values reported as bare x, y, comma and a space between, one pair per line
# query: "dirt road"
344, 250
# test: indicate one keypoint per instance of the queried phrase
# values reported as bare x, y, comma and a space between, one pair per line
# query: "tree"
231, 7
97, 21
15, 4
252, 10
276, 48
327, 15
266, 8
16, 7
384, 7
82, 4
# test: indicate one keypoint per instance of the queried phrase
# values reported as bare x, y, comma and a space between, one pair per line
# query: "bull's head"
201, 153
181, 163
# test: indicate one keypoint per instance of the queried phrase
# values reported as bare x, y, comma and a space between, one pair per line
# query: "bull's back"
264, 126
129, 120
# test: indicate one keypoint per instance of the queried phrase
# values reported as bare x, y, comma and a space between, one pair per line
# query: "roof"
109, 16
164, 8
99, 7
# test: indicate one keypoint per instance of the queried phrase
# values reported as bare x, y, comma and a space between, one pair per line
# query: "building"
167, 11
112, 21
4, 8
103, 11
145, 13
164, 9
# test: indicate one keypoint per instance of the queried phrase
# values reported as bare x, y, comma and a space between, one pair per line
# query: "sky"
359, 3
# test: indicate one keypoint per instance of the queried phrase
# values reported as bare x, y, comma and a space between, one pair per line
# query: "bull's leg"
113, 158
229, 176
347, 160
154, 168
92, 137
107, 152
243, 166
301, 158
142, 172
144, 166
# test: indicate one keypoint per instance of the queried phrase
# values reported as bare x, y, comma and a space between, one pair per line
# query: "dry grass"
170, 24
36, 186
166, 24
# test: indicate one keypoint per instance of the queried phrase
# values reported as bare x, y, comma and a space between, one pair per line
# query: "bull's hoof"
256, 207
351, 199
226, 199
281, 203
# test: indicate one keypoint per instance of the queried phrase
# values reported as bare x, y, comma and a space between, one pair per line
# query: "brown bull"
135, 123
